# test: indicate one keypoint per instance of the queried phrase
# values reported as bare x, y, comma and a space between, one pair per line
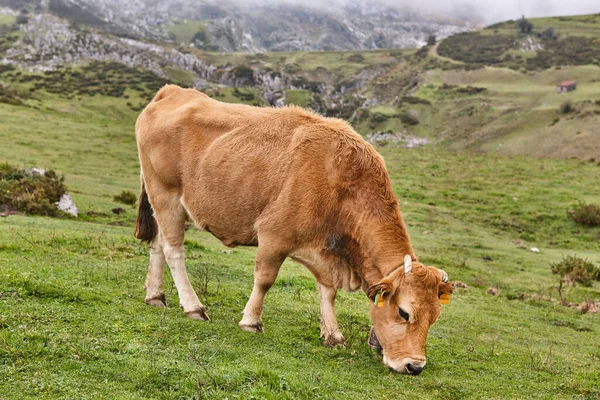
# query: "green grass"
73, 322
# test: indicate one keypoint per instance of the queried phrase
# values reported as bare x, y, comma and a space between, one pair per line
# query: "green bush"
566, 107
409, 118
585, 214
573, 269
31, 193
356, 58
243, 72
126, 197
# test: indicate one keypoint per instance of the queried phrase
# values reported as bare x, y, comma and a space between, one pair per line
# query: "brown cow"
296, 185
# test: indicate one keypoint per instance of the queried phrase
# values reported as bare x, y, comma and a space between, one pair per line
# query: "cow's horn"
444, 276
407, 264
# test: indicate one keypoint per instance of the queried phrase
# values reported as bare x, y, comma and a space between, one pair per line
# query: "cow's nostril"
413, 369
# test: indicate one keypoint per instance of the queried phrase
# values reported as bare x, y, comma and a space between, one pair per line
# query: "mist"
484, 11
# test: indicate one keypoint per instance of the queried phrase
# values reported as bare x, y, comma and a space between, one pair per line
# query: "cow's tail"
145, 224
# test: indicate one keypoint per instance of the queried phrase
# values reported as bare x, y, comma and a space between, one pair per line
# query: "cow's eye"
403, 314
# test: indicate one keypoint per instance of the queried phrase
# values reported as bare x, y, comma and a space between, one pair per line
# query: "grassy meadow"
73, 323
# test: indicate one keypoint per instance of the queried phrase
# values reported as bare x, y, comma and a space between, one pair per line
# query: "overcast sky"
489, 11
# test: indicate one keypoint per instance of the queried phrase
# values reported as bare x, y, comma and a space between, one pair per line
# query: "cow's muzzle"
414, 369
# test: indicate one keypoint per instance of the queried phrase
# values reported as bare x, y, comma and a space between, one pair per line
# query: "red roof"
568, 83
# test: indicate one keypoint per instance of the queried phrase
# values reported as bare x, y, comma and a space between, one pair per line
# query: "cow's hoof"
334, 340
255, 328
158, 301
198, 314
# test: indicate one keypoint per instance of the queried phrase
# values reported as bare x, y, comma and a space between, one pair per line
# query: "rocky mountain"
254, 26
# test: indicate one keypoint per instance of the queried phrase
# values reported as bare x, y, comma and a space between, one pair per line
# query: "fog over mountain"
293, 25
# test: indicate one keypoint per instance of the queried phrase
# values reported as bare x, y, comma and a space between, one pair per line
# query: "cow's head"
406, 303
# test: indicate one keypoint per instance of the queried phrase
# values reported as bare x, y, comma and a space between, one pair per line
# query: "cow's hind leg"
171, 216
154, 279
330, 332
269, 258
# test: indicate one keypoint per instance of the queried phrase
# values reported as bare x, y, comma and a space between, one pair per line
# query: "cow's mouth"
373, 341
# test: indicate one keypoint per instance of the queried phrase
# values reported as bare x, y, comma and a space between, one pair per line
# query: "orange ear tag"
445, 298
379, 299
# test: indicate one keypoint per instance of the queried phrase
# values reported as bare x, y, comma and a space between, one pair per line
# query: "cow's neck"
384, 244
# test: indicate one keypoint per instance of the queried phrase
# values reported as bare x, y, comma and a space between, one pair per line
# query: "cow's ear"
445, 288
382, 288
386, 286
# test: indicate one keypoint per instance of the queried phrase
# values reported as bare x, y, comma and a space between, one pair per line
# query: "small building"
566, 86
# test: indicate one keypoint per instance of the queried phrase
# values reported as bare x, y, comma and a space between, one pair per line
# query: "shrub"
379, 118
126, 197
585, 214
21, 19
30, 192
470, 90
566, 107
243, 72
573, 269
409, 118
356, 58
431, 40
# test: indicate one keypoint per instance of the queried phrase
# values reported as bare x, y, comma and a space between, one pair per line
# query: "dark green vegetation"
96, 78
126, 197
73, 322
30, 192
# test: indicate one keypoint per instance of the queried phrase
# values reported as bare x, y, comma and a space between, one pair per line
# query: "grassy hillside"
548, 42
73, 322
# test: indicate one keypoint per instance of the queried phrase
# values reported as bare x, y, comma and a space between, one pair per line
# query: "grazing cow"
296, 185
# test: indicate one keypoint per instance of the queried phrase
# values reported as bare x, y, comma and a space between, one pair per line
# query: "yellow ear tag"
445, 298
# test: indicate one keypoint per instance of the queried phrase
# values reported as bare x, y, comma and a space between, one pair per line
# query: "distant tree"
524, 26
566, 107
431, 40
22, 19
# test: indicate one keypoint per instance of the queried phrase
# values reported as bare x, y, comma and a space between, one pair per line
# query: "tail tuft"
145, 224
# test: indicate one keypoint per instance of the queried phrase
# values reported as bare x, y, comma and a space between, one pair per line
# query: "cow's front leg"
268, 262
330, 332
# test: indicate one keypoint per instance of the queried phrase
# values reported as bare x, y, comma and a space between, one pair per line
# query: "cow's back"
238, 167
